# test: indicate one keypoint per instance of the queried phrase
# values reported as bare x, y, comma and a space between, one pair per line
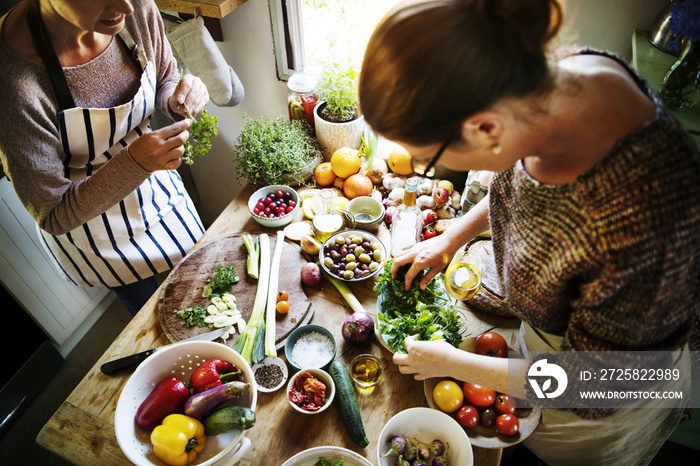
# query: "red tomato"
504, 404
492, 344
507, 424
429, 233
429, 216
478, 396
467, 416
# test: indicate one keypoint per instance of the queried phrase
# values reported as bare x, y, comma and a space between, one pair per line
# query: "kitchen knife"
112, 367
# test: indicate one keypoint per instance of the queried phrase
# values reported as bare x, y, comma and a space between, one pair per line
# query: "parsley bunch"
192, 316
201, 134
222, 282
400, 300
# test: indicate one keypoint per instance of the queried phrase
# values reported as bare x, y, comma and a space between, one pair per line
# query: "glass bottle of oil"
462, 277
327, 221
408, 220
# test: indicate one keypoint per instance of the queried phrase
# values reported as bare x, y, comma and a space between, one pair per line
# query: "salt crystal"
312, 350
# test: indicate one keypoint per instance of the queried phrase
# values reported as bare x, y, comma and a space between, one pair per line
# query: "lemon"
307, 207
340, 202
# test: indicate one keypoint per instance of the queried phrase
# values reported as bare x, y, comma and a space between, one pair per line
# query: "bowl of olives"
352, 255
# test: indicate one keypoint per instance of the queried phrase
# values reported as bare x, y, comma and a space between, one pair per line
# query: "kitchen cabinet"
63, 310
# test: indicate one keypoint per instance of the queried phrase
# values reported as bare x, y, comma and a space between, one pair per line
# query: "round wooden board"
183, 287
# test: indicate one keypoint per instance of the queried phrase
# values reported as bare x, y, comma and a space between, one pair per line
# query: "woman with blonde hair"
594, 209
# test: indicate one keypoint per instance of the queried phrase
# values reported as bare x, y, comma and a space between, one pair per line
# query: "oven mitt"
193, 45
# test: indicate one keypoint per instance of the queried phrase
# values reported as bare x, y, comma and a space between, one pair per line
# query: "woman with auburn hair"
594, 208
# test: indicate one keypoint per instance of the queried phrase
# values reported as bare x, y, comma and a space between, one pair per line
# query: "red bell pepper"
168, 397
211, 374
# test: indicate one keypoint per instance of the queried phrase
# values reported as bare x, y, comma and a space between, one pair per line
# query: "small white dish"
268, 361
321, 375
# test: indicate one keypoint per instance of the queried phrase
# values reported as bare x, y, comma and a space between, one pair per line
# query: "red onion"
358, 328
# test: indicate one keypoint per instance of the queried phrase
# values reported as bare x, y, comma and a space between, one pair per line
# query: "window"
310, 33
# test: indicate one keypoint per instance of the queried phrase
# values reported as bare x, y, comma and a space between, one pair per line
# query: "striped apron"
149, 230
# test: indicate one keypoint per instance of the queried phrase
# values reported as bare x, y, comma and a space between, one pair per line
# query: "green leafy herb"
274, 151
192, 316
428, 322
201, 134
428, 313
221, 283
337, 85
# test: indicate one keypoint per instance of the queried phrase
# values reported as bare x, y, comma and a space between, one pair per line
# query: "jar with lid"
301, 98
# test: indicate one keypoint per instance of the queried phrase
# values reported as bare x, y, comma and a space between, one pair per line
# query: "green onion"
255, 330
270, 349
253, 247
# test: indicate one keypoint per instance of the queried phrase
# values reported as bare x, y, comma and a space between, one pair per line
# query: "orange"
345, 162
400, 161
323, 174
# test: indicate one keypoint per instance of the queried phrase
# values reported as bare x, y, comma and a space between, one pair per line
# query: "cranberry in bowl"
274, 206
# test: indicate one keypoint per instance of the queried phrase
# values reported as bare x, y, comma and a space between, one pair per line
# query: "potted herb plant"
276, 151
336, 115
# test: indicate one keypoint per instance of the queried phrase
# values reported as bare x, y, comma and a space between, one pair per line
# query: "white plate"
332, 454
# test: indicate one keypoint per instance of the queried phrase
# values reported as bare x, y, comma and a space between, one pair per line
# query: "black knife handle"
112, 367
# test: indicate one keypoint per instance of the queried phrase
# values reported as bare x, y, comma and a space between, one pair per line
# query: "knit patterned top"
610, 261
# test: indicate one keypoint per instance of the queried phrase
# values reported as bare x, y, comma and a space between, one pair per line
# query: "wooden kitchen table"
82, 429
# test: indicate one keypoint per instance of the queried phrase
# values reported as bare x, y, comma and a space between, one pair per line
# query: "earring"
496, 149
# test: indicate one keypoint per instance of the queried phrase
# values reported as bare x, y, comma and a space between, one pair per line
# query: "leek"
270, 323
344, 291
254, 330
253, 247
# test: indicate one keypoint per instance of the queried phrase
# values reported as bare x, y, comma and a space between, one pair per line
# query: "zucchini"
347, 403
228, 419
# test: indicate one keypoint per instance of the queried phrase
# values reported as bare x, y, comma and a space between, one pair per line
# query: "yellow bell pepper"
178, 439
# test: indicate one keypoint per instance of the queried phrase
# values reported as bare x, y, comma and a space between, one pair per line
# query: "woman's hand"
161, 149
434, 254
190, 92
426, 359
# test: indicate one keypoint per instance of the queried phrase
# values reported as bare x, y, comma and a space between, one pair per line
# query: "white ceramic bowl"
367, 212
268, 361
300, 332
180, 360
277, 221
321, 375
426, 425
369, 237
331, 453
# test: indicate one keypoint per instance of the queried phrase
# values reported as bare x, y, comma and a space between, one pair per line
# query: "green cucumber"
347, 403
228, 419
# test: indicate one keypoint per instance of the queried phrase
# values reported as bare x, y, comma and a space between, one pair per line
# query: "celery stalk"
344, 291
253, 247
253, 330
270, 323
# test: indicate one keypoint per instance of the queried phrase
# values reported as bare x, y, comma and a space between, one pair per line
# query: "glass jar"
301, 99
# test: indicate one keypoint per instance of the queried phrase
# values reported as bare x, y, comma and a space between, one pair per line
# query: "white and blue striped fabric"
147, 232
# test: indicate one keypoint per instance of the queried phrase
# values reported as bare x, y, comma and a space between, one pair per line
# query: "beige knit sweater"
30, 149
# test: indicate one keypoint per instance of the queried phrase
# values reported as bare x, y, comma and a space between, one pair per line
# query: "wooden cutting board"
183, 287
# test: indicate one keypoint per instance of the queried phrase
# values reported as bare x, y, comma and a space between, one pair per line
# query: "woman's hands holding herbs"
190, 96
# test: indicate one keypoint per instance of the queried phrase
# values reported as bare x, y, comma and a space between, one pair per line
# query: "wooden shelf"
208, 8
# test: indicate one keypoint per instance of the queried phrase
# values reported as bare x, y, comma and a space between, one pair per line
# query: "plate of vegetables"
327, 456
427, 313
489, 418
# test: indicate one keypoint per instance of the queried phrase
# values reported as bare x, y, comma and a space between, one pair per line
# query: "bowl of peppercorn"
270, 374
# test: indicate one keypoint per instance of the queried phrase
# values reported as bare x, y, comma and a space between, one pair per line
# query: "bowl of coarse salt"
310, 347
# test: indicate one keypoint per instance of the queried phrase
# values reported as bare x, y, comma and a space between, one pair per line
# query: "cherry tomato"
504, 404
448, 396
491, 344
467, 416
507, 424
282, 296
282, 307
478, 396
429, 216
487, 418
429, 233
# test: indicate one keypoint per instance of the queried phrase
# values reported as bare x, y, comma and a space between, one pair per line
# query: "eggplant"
423, 451
436, 447
203, 403
441, 460
397, 445
410, 453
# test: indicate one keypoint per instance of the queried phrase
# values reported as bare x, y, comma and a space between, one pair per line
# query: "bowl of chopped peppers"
188, 403
310, 391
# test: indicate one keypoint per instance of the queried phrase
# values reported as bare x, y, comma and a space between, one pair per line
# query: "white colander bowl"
180, 360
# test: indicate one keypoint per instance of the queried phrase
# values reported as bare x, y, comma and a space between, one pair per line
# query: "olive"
348, 274
351, 266
373, 266
364, 258
328, 262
